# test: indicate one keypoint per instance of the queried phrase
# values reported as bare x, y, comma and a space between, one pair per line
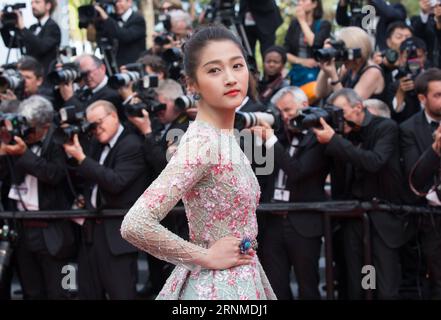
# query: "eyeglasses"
94, 125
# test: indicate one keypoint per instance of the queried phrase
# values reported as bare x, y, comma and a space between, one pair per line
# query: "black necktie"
433, 125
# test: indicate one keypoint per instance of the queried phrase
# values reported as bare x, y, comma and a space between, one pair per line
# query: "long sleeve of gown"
141, 226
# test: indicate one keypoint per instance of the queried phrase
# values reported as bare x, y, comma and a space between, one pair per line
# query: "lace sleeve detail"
141, 225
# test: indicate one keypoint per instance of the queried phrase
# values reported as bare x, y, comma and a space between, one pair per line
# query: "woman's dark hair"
318, 10
423, 80
199, 40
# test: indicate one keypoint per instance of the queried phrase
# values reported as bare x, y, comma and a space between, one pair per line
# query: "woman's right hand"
225, 253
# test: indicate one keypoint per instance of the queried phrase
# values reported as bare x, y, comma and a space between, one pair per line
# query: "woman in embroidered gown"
215, 181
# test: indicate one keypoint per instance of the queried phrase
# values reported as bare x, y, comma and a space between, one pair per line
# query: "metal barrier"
330, 210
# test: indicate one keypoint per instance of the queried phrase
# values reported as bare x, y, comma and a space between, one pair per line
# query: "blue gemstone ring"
247, 244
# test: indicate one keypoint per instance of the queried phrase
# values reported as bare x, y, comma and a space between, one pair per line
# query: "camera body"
338, 51
310, 118
412, 67
221, 11
391, 55
87, 14
69, 72
69, 123
10, 78
9, 18
13, 125
173, 58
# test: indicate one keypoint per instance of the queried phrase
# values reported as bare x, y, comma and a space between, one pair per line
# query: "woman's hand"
225, 254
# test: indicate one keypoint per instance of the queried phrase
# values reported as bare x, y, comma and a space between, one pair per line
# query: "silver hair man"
37, 110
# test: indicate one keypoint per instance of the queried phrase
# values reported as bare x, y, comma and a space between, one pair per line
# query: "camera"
412, 66
71, 122
69, 72
164, 38
391, 55
174, 59
136, 74
10, 78
13, 125
9, 18
221, 11
339, 52
310, 118
185, 102
245, 120
88, 15
151, 106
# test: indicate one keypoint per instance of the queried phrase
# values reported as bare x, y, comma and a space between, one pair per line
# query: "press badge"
281, 195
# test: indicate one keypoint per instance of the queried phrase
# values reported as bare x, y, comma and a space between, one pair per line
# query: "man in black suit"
299, 176
365, 167
387, 14
116, 174
129, 29
94, 87
42, 39
421, 149
261, 18
38, 182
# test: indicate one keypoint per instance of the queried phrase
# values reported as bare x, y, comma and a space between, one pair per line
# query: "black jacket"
416, 149
265, 13
370, 170
431, 36
121, 180
131, 37
387, 13
42, 47
306, 173
53, 194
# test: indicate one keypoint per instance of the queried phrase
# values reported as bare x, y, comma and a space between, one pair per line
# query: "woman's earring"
197, 96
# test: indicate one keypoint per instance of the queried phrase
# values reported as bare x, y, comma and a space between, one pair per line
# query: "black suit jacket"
431, 36
371, 170
387, 13
416, 148
265, 13
121, 180
53, 194
306, 173
131, 37
43, 46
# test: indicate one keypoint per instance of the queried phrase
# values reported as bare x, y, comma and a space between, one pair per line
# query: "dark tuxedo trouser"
266, 40
431, 244
100, 272
285, 247
40, 273
385, 260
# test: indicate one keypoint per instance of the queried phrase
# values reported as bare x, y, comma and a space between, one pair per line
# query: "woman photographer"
360, 73
306, 32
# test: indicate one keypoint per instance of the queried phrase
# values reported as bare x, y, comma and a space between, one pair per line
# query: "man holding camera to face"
35, 168
365, 167
115, 174
128, 27
40, 40
300, 171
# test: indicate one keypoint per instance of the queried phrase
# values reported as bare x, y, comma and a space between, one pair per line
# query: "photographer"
129, 28
420, 144
357, 72
42, 39
366, 166
32, 74
115, 174
36, 168
427, 26
387, 13
305, 33
412, 59
95, 87
299, 176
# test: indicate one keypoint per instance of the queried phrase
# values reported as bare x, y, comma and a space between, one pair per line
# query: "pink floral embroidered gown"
220, 192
